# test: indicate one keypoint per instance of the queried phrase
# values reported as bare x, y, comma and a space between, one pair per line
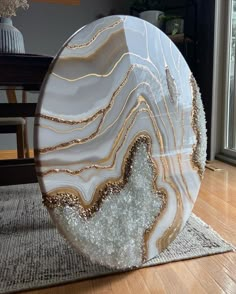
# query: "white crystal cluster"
114, 236
201, 126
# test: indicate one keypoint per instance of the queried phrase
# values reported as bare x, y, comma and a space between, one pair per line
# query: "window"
230, 115
224, 97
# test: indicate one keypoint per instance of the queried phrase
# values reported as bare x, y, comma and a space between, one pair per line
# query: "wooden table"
24, 72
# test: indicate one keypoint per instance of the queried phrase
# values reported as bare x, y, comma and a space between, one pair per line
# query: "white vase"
153, 16
11, 39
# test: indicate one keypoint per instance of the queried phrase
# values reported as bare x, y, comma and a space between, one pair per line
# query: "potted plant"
11, 39
149, 10
174, 24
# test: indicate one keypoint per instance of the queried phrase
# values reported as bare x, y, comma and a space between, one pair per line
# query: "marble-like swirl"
120, 141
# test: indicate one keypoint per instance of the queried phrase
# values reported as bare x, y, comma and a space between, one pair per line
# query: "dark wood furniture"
17, 125
25, 72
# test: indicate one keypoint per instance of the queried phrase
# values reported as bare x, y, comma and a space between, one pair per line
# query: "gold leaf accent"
99, 32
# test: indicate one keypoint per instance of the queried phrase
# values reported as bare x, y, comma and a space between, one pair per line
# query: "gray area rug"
34, 255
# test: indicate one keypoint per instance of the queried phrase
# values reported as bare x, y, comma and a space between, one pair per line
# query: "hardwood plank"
102, 285
217, 273
228, 219
173, 283
227, 263
228, 233
12, 154
192, 284
152, 280
84, 287
203, 277
119, 284
136, 283
219, 183
221, 205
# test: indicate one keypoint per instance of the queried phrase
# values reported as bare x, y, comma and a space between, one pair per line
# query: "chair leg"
11, 96
20, 141
21, 133
26, 144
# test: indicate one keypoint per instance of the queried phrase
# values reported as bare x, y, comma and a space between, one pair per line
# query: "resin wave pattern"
120, 141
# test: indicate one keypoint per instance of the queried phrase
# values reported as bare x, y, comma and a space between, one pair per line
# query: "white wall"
46, 27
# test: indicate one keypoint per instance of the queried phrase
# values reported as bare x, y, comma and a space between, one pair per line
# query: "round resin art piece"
120, 141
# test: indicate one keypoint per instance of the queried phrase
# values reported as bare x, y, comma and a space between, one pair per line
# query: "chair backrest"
16, 125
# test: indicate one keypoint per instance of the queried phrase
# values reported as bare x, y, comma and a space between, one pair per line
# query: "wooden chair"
17, 125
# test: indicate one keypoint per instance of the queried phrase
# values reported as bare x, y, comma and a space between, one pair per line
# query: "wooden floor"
216, 205
11, 154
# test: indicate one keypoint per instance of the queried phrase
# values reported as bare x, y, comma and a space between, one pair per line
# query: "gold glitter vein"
101, 75
79, 128
119, 35
73, 122
141, 100
104, 111
68, 131
70, 121
99, 32
92, 74
93, 135
96, 166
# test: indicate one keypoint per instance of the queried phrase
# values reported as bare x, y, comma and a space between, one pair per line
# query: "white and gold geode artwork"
120, 141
